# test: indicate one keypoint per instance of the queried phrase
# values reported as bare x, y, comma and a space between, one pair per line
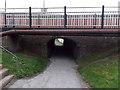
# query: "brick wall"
84, 45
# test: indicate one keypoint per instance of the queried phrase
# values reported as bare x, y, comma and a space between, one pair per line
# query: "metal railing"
13, 55
61, 17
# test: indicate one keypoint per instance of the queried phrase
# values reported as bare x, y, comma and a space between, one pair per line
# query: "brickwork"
39, 44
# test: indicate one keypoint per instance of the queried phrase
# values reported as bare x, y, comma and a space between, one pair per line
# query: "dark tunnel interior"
67, 49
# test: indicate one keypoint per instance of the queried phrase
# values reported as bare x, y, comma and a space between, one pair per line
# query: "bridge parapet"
59, 17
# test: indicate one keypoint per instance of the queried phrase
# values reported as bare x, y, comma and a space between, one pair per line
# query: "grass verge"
29, 65
101, 74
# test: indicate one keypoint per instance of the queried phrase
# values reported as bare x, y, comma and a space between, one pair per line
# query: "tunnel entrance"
61, 46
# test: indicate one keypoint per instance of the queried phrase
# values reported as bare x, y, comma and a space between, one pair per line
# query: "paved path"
60, 74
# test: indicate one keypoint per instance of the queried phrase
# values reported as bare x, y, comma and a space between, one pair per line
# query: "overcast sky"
57, 3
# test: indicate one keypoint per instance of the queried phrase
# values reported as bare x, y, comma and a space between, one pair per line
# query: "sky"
57, 3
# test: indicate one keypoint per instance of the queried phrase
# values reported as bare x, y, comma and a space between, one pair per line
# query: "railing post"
102, 20
5, 20
30, 17
65, 17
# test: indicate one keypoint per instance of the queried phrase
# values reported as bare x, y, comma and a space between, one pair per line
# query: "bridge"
80, 27
60, 20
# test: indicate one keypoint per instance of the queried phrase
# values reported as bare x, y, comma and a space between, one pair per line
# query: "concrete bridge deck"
64, 32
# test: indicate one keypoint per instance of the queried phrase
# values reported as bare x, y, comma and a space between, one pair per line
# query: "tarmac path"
61, 73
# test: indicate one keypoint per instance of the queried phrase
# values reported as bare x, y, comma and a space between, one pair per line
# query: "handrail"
62, 7
60, 18
17, 60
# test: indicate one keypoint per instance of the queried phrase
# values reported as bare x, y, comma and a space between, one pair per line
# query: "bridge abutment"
14, 43
80, 46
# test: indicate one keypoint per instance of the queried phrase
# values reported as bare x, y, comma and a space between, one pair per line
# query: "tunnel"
68, 48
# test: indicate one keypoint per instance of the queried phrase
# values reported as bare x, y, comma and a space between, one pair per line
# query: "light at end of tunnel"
59, 42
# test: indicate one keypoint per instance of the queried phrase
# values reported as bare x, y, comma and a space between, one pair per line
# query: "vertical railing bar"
112, 20
86, 16
117, 21
24, 19
52, 19
109, 21
38, 20
60, 20
90, 21
94, 22
83, 21
57, 20
92, 26
8, 17
21, 20
44, 19
30, 17
86, 21
65, 17
74, 20
107, 18
73, 24
5, 20
102, 20
47, 21
113, 24
13, 20
78, 21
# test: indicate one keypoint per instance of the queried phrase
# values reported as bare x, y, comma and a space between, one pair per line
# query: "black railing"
102, 20
65, 18
60, 17
30, 17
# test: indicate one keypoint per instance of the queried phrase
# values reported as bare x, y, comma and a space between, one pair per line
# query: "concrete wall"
39, 44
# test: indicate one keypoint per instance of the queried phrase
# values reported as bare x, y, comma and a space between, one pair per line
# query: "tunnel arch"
68, 48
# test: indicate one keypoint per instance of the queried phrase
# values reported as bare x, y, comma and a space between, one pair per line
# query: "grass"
103, 74
29, 65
